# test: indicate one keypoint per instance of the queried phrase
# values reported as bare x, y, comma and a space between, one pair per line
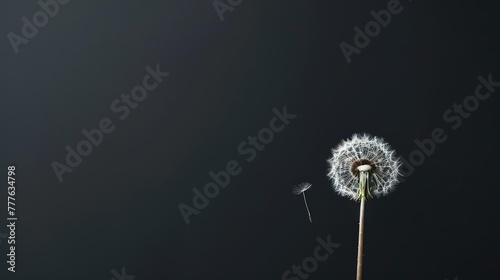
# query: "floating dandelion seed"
301, 189
359, 167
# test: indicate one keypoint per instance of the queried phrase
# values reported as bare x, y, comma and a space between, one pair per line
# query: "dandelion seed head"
363, 149
300, 188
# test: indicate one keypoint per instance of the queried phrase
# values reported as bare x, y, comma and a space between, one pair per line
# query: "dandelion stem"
307, 207
364, 193
360, 239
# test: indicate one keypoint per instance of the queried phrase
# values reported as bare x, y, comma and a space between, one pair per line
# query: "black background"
119, 207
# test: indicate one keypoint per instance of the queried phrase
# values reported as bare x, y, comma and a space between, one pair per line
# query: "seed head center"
364, 167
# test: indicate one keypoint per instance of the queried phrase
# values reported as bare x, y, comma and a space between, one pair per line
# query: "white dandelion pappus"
363, 150
300, 188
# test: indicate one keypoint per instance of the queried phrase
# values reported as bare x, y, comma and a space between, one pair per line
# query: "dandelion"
301, 189
362, 166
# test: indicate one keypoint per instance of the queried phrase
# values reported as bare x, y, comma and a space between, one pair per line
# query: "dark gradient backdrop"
119, 207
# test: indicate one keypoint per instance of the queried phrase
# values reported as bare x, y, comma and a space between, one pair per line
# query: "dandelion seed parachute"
300, 188
363, 149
